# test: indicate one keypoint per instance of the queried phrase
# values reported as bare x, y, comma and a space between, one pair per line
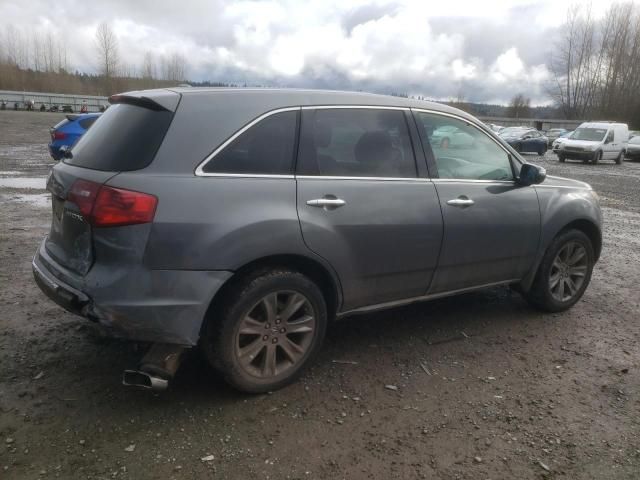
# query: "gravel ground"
485, 387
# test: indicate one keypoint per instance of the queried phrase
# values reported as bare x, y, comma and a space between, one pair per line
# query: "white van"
595, 141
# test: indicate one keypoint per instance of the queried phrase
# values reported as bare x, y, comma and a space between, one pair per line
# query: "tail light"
104, 206
56, 135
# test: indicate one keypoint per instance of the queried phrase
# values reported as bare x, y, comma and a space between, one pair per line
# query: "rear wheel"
561, 158
564, 272
620, 157
542, 151
267, 332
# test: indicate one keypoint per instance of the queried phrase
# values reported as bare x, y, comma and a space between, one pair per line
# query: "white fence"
51, 99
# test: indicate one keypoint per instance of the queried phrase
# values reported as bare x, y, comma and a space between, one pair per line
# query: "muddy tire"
564, 273
267, 331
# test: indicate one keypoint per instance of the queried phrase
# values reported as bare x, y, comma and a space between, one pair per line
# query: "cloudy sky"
483, 50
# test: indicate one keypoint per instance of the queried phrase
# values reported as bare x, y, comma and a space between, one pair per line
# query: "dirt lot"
505, 392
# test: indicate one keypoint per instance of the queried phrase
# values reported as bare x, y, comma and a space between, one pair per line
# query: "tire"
620, 157
242, 336
561, 158
542, 151
597, 157
556, 266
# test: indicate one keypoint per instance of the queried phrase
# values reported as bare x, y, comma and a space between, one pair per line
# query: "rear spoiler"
152, 99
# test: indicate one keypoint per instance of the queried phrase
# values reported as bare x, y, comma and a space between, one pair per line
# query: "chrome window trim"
339, 107
471, 180
380, 179
247, 175
199, 172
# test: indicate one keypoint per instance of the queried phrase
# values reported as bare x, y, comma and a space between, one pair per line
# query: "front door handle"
461, 202
326, 203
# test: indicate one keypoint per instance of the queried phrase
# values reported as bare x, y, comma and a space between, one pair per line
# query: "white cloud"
383, 45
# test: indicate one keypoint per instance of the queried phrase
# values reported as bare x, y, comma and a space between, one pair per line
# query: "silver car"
244, 221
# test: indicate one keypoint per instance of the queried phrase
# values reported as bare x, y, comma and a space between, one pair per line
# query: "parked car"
554, 133
244, 221
450, 137
525, 140
633, 133
559, 141
67, 109
67, 132
596, 141
633, 148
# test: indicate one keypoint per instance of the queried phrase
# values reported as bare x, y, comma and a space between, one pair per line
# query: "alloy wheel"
568, 271
276, 334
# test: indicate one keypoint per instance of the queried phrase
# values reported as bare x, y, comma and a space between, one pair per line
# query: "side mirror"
531, 174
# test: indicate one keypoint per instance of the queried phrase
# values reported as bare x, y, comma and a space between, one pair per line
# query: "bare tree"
519, 106
148, 66
107, 45
175, 67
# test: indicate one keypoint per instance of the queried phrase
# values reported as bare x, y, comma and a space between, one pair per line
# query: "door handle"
326, 202
461, 201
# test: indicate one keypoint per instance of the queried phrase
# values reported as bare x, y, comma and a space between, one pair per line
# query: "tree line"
596, 64
35, 61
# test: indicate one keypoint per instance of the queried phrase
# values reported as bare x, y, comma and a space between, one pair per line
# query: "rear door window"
355, 142
266, 148
127, 138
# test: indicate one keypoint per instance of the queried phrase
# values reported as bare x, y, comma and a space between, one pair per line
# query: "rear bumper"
165, 306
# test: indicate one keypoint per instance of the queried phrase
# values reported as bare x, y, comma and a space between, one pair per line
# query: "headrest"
322, 135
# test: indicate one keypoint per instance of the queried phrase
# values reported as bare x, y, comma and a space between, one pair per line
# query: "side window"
609, 137
461, 150
355, 142
266, 148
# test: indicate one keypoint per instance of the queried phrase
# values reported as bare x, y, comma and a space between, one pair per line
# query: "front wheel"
597, 157
564, 272
268, 330
561, 158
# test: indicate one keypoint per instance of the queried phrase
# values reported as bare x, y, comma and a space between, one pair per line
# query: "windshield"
589, 134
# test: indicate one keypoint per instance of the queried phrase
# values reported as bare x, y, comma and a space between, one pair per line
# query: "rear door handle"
461, 201
326, 202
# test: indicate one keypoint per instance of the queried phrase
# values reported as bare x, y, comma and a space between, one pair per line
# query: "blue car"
65, 134
524, 139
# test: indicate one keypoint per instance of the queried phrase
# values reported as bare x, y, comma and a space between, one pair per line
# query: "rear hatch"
125, 138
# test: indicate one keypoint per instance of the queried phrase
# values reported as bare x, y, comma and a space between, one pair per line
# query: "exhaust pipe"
156, 368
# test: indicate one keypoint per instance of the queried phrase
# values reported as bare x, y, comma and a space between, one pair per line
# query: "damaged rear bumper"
159, 306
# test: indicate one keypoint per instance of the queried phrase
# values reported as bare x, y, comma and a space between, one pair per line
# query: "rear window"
87, 122
126, 138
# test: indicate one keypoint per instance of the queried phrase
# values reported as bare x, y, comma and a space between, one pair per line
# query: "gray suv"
245, 220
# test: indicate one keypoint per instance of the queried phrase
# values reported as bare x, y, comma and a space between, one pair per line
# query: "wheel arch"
322, 275
586, 226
